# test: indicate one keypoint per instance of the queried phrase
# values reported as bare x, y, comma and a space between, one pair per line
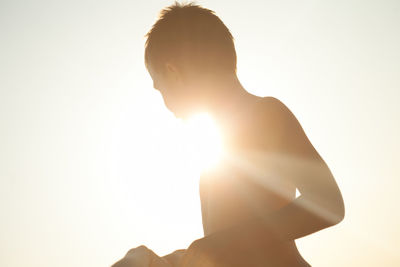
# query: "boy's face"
173, 89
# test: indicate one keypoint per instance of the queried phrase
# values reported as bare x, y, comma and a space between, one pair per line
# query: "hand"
204, 252
230, 247
141, 257
175, 257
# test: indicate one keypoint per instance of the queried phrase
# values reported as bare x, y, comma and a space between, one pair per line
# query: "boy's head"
187, 44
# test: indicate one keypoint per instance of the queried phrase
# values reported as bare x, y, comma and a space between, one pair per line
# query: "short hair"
190, 35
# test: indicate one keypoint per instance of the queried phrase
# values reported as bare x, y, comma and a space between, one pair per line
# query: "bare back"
245, 185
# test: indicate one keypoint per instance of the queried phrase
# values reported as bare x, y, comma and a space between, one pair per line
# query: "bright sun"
202, 142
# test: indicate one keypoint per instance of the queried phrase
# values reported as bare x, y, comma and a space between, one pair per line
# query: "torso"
242, 187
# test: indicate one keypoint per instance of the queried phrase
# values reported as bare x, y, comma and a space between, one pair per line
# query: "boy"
250, 212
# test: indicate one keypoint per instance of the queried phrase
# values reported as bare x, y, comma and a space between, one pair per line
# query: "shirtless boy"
251, 215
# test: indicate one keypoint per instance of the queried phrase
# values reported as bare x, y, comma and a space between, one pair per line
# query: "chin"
180, 113
177, 115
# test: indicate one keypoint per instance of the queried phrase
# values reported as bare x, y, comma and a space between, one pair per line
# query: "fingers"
198, 256
140, 250
123, 263
136, 257
174, 257
159, 262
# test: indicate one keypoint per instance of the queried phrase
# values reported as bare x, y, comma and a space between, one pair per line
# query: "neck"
222, 96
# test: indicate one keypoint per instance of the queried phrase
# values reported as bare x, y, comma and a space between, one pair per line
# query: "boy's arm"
319, 206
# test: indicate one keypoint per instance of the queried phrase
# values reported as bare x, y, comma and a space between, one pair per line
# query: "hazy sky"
86, 170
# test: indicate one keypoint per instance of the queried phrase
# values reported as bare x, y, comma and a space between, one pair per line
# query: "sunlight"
202, 143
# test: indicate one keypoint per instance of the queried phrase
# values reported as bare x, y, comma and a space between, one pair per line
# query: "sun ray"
267, 168
202, 141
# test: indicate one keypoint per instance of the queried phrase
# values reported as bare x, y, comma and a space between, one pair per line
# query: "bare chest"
230, 196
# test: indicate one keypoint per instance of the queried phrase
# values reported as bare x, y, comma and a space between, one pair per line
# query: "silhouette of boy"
250, 212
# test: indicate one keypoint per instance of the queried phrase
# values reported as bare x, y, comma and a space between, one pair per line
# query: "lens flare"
203, 142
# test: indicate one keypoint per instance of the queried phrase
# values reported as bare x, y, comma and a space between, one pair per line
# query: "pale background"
90, 158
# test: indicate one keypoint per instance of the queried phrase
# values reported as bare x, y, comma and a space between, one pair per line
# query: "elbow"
337, 219
341, 212
331, 211
338, 212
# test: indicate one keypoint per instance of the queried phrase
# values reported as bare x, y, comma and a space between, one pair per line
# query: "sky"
91, 160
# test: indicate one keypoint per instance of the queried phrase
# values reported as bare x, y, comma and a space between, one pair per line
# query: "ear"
172, 72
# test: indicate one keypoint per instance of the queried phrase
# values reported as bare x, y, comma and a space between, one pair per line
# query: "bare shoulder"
272, 108
282, 127
274, 112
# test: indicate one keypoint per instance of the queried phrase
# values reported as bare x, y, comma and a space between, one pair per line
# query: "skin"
141, 256
250, 214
